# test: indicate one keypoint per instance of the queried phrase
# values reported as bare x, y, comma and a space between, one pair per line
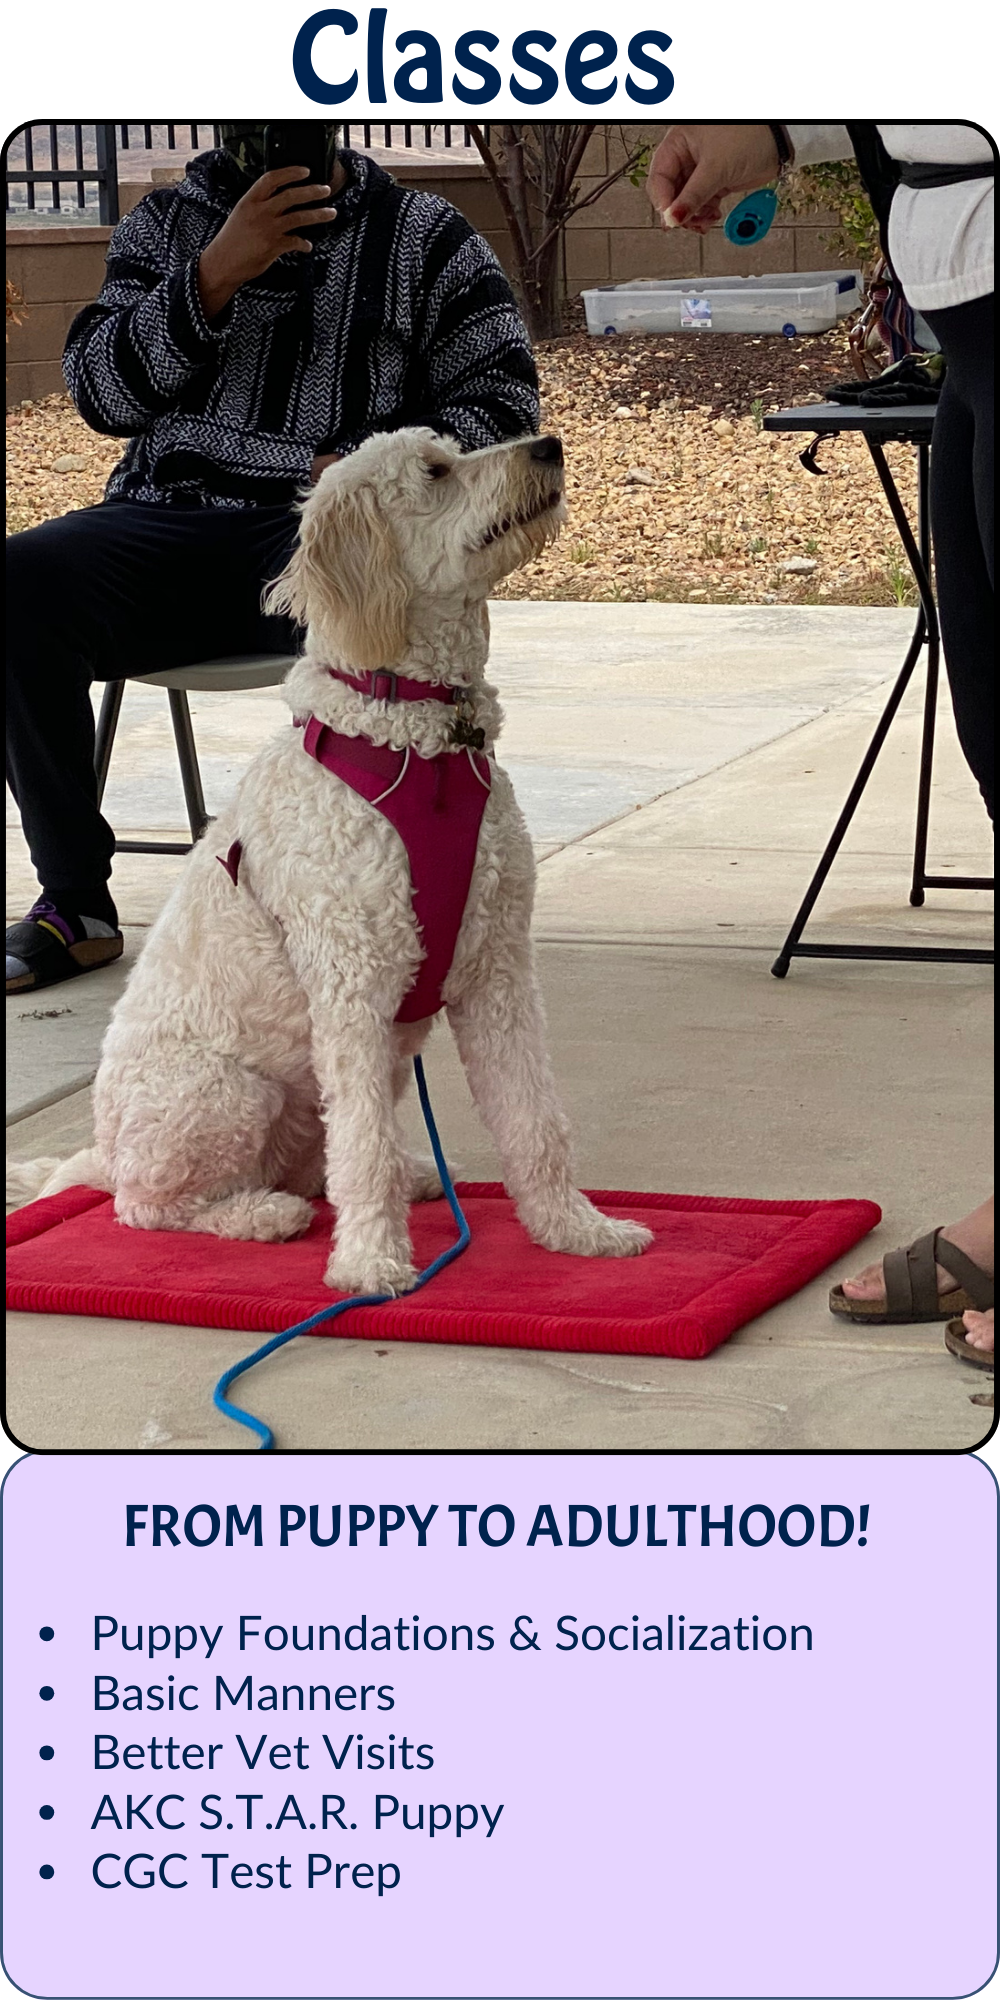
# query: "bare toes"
867, 1284
979, 1330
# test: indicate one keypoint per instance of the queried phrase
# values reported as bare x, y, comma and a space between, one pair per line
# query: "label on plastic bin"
696, 312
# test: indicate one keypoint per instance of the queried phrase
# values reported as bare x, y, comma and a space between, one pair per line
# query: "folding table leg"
922, 574
919, 879
832, 848
917, 552
926, 628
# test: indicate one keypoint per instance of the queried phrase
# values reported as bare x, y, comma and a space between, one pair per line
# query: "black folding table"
910, 424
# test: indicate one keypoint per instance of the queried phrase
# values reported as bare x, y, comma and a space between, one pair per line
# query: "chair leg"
194, 798
107, 723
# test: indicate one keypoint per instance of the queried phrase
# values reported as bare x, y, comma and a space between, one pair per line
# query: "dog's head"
408, 526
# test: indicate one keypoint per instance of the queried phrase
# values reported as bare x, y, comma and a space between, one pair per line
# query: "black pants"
962, 525
96, 595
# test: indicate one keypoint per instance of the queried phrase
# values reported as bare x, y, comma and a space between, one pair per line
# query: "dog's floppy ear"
345, 576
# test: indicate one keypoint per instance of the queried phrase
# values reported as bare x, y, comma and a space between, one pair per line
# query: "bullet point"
46, 1694
47, 1872
46, 1812
46, 1751
46, 1632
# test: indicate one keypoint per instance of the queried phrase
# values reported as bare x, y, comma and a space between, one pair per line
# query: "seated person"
239, 358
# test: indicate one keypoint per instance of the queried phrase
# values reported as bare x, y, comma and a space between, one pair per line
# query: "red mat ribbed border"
715, 1264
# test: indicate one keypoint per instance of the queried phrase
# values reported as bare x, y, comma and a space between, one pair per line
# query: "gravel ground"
675, 491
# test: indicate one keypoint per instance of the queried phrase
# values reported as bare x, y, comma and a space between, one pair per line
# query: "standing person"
931, 187
239, 357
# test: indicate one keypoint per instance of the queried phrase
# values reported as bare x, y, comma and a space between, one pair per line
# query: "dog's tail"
32, 1180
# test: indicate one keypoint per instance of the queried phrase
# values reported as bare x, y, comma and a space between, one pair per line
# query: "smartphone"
299, 145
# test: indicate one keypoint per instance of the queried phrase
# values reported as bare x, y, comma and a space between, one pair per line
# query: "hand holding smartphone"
269, 219
302, 144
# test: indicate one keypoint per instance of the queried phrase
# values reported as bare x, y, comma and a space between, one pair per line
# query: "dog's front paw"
621, 1239
588, 1233
360, 1274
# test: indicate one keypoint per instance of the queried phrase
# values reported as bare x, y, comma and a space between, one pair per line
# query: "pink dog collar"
382, 685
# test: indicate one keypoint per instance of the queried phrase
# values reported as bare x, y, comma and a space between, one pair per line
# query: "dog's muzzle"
525, 516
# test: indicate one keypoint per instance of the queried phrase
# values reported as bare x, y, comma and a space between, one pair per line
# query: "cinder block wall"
56, 270
59, 269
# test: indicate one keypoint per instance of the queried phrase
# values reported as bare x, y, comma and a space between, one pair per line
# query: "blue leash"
262, 1430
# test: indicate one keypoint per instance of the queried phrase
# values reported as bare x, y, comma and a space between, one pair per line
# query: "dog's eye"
437, 470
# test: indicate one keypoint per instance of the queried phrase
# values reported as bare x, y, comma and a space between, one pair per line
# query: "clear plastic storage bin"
789, 303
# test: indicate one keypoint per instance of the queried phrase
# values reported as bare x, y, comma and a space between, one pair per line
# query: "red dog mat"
715, 1263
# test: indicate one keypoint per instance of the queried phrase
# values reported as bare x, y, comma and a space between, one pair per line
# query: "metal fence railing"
81, 164
363, 137
71, 172
198, 138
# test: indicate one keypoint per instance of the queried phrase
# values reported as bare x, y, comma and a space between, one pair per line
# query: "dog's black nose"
548, 449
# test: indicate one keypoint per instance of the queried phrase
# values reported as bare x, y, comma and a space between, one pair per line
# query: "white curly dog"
254, 1059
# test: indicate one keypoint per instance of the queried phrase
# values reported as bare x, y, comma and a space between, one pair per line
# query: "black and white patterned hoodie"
401, 315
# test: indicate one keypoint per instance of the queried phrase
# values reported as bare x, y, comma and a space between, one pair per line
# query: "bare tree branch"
585, 201
517, 179
534, 170
521, 248
575, 162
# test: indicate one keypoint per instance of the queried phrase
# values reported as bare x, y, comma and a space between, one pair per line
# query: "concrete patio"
680, 767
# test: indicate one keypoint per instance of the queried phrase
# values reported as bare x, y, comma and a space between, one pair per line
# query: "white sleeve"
813, 143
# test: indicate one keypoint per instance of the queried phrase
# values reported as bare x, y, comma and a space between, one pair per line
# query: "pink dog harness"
436, 805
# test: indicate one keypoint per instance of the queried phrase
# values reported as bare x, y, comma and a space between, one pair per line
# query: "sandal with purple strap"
911, 1288
46, 948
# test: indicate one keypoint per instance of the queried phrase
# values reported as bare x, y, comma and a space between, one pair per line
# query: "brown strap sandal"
911, 1289
957, 1343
